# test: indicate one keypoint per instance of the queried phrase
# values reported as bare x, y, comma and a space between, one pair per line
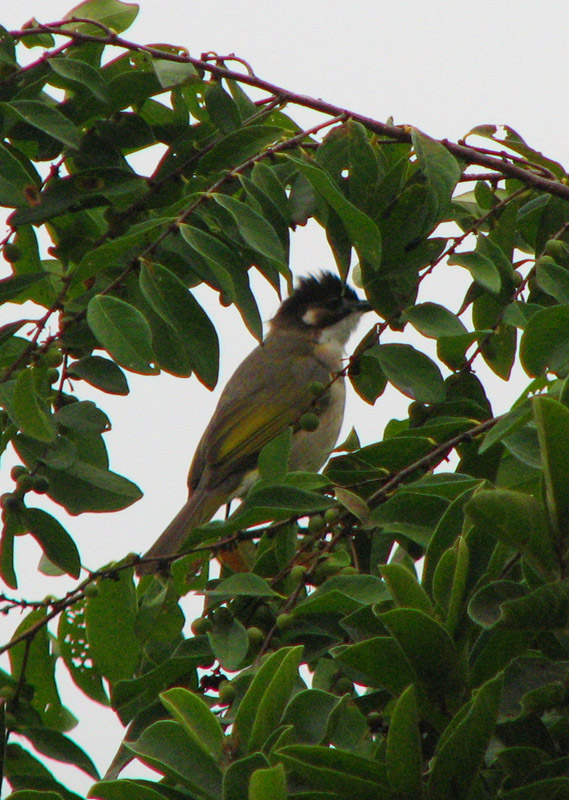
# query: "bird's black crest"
316, 290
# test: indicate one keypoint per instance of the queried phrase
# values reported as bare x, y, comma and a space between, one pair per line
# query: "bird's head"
322, 305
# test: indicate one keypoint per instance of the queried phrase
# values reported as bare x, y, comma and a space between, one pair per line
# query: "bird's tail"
199, 509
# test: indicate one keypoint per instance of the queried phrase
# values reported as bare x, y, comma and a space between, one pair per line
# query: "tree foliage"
390, 629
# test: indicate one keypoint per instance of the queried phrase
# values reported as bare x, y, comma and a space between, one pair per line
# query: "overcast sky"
440, 65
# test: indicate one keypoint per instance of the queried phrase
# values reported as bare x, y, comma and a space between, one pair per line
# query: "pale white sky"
442, 65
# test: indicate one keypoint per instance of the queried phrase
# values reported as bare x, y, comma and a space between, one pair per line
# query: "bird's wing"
256, 413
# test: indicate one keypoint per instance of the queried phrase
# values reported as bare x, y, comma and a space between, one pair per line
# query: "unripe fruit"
7, 693
53, 357
12, 503
255, 636
316, 524
316, 388
41, 484
25, 482
309, 421
285, 621
52, 375
222, 616
343, 686
331, 515
200, 626
11, 252
374, 721
555, 248
17, 471
297, 573
226, 693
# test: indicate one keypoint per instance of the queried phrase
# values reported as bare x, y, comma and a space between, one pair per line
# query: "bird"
268, 392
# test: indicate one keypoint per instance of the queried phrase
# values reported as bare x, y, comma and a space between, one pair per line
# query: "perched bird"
270, 390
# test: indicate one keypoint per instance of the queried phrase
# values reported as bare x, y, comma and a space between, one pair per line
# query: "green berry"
316, 523
285, 621
200, 626
331, 515
17, 471
222, 616
12, 503
7, 693
226, 693
53, 357
309, 421
52, 375
297, 573
255, 636
41, 484
555, 248
25, 482
316, 388
11, 252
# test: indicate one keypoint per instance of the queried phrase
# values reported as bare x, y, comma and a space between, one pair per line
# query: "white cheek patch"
311, 317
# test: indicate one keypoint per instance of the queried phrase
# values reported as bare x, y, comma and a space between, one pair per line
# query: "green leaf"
47, 119
552, 421
309, 714
405, 589
123, 332
428, 648
166, 746
222, 108
433, 320
30, 409
15, 176
255, 230
552, 788
378, 662
56, 543
268, 784
12, 288
74, 649
238, 774
287, 498
123, 789
55, 745
110, 617
553, 279
226, 266
196, 719
114, 14
403, 755
101, 373
229, 643
545, 343
266, 698
440, 168
178, 308
362, 230
511, 421
412, 372
243, 584
82, 74
347, 774
483, 271
173, 73
519, 521
460, 752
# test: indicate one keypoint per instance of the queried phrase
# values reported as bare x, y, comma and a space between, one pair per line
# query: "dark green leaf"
12, 288
47, 119
229, 643
56, 543
114, 14
545, 343
268, 784
31, 410
177, 307
101, 373
55, 745
122, 330
255, 230
433, 320
552, 421
243, 584
412, 372
110, 617
82, 74
403, 755
483, 271
193, 714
